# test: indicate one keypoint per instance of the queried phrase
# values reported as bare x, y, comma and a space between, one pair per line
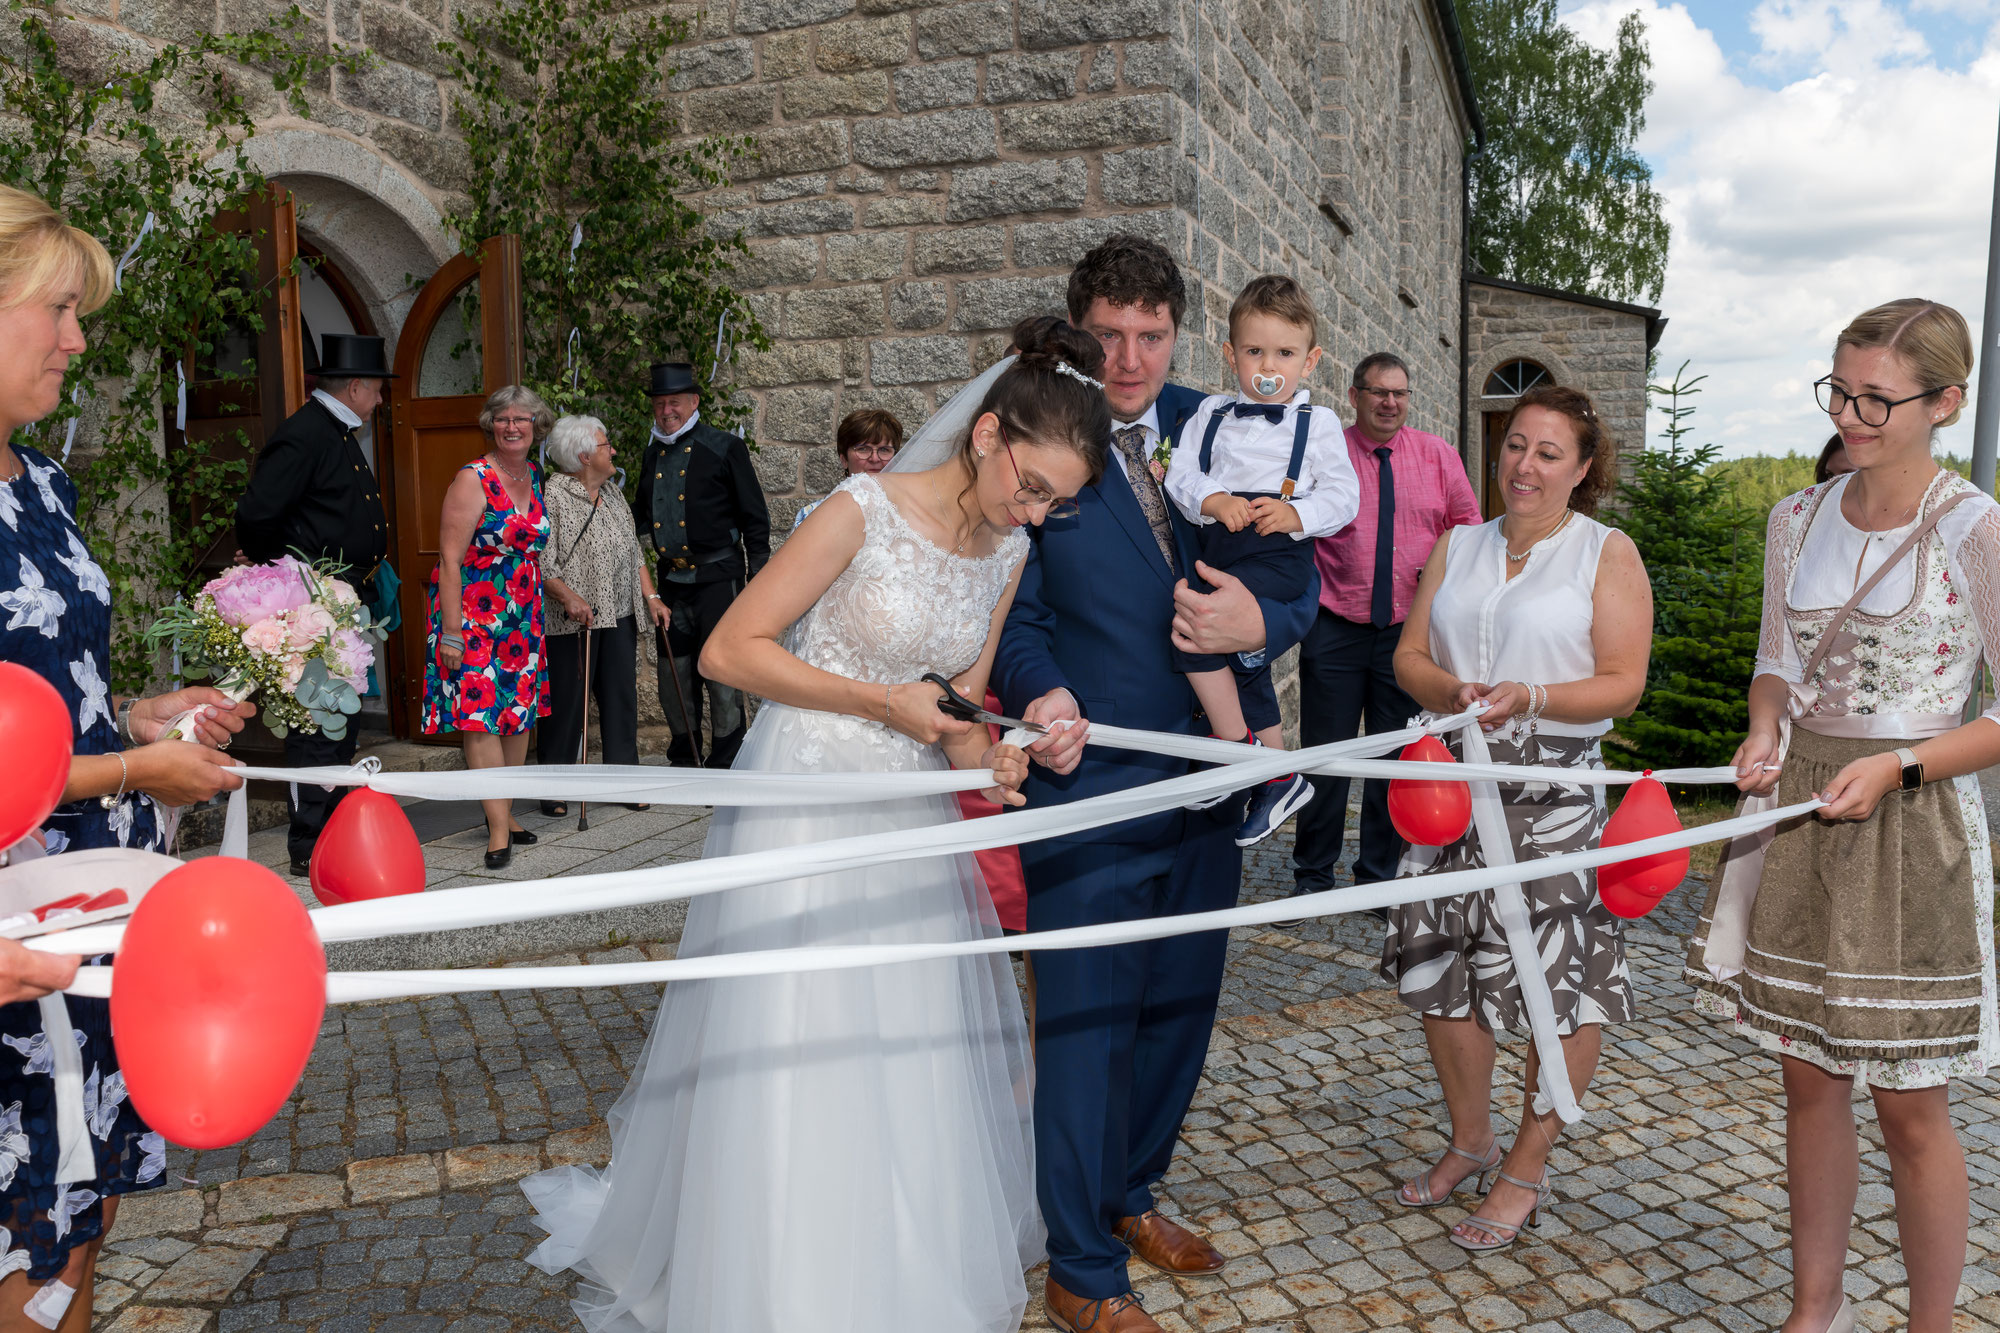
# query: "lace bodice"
1912, 648
902, 607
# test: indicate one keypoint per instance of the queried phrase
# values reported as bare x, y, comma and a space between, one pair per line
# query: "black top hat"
355, 356
672, 377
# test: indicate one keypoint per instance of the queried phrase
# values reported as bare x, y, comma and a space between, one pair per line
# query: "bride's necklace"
1568, 514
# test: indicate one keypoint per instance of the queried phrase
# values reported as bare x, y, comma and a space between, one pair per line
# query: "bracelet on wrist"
124, 775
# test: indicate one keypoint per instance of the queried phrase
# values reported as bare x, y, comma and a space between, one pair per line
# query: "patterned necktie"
1382, 609
1131, 442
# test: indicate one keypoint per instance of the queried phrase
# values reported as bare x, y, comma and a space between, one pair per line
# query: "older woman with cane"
600, 590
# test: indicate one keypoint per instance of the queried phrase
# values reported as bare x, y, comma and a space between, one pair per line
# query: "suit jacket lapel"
1116, 493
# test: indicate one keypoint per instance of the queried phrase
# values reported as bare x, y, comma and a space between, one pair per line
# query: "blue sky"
1817, 157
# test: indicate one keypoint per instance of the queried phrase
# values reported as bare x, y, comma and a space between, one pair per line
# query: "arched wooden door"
462, 341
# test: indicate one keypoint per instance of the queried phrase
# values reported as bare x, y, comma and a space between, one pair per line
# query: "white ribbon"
74, 1161
1510, 904
69, 432
180, 396
118, 273
351, 987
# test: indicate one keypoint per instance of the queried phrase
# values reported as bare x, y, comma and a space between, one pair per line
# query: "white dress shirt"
1252, 454
341, 411
686, 426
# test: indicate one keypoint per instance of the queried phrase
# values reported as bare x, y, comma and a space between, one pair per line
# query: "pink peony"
267, 637
352, 656
250, 593
310, 626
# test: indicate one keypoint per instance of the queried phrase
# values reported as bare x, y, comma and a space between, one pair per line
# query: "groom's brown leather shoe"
1167, 1246
1089, 1314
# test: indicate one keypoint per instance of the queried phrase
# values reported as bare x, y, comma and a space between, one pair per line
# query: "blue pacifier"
1268, 385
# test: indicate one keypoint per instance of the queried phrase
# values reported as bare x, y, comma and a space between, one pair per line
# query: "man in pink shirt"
1413, 488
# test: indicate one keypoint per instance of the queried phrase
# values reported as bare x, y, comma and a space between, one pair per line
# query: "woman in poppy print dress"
487, 677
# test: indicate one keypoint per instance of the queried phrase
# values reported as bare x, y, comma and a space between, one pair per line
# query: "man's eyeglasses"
1398, 396
1035, 495
1872, 408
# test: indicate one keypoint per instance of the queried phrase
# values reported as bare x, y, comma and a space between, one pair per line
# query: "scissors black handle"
954, 704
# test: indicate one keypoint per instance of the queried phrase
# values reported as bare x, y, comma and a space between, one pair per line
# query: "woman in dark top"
55, 619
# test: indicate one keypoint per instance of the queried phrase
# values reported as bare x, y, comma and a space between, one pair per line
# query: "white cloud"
1867, 176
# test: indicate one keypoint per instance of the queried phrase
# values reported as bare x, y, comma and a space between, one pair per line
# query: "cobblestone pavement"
384, 1197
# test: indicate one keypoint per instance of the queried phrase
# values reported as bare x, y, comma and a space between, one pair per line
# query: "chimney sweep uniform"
312, 494
700, 505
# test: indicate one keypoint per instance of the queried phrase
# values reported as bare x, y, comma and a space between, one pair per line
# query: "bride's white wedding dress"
830, 1151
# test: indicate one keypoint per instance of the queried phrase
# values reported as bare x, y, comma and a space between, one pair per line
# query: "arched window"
1511, 379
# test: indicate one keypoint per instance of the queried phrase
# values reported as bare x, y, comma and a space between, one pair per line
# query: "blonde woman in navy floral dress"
487, 675
55, 619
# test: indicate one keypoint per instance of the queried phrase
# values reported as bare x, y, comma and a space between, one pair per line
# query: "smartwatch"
1913, 769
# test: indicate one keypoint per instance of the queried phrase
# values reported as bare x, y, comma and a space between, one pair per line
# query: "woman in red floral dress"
486, 677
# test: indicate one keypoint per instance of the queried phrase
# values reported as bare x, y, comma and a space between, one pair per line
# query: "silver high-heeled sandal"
1426, 1198
1507, 1233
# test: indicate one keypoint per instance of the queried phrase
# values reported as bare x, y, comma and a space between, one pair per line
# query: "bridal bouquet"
288, 629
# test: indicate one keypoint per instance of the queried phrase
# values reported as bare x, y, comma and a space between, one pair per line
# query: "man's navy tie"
1271, 412
1382, 610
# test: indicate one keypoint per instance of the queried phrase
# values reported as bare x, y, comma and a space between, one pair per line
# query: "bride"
851, 1150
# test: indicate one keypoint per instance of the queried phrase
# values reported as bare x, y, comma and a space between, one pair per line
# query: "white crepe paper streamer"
74, 1160
1510, 902
69, 431
527, 900
352, 987
575, 244
180, 396
118, 272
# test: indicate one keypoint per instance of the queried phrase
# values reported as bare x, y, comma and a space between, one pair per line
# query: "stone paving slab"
384, 1197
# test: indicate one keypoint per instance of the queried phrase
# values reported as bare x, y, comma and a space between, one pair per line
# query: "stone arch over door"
367, 215
1479, 406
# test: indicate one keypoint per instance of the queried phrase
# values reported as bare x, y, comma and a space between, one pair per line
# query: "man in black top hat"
313, 494
700, 504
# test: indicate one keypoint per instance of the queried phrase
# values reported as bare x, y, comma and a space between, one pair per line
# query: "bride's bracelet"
888, 708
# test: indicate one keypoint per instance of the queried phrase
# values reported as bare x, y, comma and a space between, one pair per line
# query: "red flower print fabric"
502, 685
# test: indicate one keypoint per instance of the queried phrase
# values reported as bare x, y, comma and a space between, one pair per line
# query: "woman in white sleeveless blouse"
1547, 615
1859, 943
849, 1151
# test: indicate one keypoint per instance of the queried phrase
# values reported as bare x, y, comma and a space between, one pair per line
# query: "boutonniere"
1163, 453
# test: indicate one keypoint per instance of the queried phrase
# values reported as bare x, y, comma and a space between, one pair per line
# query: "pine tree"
1704, 556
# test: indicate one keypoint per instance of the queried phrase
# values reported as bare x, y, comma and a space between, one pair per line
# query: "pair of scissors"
956, 705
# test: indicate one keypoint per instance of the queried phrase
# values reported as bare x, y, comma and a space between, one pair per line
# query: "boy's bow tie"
1271, 412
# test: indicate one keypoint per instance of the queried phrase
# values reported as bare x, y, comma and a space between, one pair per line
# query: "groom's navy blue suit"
1120, 1032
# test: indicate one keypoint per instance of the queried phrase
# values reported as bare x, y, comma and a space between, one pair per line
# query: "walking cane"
687, 718
583, 737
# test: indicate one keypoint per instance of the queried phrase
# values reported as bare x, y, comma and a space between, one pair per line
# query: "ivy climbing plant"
575, 147
110, 140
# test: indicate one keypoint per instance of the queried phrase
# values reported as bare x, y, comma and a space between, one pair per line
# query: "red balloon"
366, 850
35, 721
1429, 812
216, 999
1634, 888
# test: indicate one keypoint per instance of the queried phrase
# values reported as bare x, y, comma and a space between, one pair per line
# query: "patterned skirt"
1449, 957
1870, 946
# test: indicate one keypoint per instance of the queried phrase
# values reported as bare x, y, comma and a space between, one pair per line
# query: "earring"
979, 453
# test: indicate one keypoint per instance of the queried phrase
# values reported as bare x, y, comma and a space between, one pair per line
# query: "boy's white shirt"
1252, 454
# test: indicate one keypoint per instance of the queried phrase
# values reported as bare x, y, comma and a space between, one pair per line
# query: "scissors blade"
1011, 722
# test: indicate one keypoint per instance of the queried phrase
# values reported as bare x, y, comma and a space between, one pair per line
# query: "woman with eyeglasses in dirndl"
1858, 944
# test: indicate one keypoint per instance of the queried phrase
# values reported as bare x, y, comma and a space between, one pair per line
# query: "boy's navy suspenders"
1300, 429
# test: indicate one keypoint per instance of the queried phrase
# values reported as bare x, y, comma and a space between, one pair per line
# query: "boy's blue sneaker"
1271, 805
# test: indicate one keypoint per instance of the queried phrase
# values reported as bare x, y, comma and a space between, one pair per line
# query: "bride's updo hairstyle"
1040, 399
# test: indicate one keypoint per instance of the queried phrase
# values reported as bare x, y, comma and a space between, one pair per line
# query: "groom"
1121, 1031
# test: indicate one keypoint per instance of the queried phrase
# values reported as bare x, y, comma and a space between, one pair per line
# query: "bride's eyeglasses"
1035, 495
